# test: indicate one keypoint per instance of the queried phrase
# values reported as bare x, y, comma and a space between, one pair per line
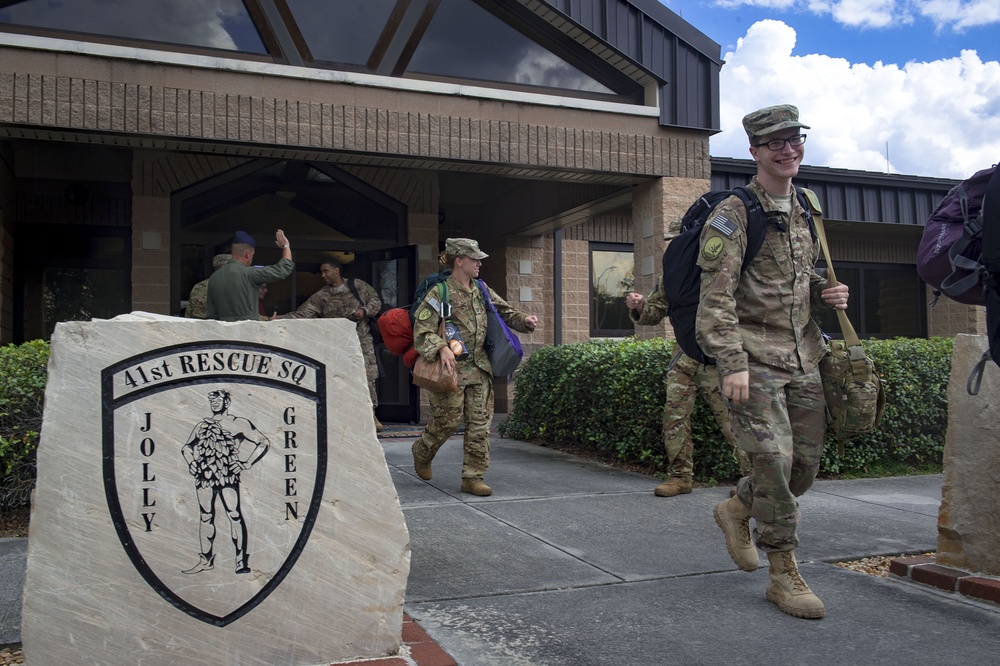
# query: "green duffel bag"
855, 397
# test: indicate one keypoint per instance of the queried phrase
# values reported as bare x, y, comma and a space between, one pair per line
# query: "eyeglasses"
778, 144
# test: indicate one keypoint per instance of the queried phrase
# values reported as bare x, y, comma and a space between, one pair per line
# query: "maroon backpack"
949, 257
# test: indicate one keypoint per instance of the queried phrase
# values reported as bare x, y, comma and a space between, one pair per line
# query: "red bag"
397, 331
397, 334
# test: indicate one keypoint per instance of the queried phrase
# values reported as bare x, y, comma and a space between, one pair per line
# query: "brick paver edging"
925, 570
423, 650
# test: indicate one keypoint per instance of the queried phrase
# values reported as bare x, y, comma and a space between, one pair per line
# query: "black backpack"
681, 273
425, 286
372, 321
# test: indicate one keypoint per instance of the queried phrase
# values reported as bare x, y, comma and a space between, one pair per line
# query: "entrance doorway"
326, 213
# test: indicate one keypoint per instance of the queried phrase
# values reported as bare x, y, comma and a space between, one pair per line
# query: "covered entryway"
327, 214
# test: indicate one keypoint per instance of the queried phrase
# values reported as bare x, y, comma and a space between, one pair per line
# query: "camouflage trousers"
781, 428
685, 380
371, 366
473, 404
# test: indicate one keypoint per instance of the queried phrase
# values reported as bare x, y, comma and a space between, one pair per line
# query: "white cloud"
939, 118
954, 14
768, 4
959, 14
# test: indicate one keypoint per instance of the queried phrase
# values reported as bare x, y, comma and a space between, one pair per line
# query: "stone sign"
211, 493
968, 522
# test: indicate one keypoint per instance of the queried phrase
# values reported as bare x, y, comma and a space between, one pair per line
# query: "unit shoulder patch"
712, 249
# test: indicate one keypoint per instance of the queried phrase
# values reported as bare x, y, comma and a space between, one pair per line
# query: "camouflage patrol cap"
220, 260
771, 119
464, 247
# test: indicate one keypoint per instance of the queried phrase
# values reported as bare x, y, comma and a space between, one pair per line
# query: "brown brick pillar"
655, 206
151, 255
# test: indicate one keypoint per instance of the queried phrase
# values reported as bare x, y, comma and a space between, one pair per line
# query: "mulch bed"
14, 522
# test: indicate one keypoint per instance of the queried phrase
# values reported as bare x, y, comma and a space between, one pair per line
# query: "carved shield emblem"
215, 460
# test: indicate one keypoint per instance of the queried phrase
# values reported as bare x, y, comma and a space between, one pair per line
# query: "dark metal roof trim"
648, 33
852, 196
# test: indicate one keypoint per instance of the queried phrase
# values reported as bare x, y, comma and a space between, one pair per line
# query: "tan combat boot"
672, 487
378, 425
734, 519
423, 469
475, 486
788, 590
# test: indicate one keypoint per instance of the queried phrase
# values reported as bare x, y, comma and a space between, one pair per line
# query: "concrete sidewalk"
572, 563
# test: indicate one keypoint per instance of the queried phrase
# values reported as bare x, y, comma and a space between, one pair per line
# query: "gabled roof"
610, 50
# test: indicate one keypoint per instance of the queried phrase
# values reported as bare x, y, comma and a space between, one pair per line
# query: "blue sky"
905, 86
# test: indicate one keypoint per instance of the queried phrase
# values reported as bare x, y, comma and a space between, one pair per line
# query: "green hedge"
608, 397
22, 393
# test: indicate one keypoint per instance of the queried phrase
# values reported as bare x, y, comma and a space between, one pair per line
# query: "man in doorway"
352, 299
233, 289
756, 324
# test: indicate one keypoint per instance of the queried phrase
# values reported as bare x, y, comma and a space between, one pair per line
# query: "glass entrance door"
392, 273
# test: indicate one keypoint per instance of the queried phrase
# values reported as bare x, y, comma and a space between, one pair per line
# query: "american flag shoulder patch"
723, 224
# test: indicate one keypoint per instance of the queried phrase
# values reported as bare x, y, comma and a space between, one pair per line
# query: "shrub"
608, 397
22, 392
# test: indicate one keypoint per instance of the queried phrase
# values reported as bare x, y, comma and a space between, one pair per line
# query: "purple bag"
503, 347
950, 252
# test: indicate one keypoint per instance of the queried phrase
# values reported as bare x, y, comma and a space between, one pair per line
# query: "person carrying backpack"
473, 404
756, 324
352, 299
686, 378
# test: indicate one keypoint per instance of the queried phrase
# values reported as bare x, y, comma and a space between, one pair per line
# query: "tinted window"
886, 301
611, 277
466, 41
215, 24
342, 31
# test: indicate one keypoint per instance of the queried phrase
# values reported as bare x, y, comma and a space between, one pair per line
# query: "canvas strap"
850, 336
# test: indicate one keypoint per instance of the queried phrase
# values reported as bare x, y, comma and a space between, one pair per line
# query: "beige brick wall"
151, 254
656, 206
100, 94
576, 291
948, 318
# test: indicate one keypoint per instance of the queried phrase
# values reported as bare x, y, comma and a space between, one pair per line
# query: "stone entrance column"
968, 522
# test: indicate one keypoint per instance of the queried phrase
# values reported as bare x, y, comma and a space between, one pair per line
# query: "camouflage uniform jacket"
654, 309
338, 302
196, 301
763, 313
232, 290
468, 313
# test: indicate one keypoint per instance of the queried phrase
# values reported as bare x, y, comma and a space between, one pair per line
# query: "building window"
465, 41
611, 277
214, 24
344, 31
887, 301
